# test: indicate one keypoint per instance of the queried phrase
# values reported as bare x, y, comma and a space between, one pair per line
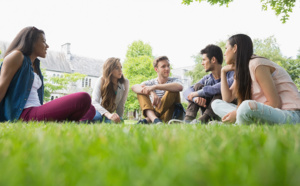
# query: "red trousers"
73, 107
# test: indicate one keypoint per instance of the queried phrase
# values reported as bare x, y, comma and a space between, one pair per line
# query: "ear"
155, 68
213, 59
234, 48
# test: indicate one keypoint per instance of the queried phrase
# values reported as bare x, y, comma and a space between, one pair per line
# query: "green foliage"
198, 72
281, 7
268, 48
54, 84
137, 68
1, 59
292, 66
139, 48
102, 154
47, 86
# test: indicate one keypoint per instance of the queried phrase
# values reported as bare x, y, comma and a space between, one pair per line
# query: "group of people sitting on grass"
248, 89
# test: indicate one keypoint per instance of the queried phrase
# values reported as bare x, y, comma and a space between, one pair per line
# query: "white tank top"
33, 99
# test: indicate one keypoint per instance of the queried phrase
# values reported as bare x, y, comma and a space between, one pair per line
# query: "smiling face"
163, 68
40, 46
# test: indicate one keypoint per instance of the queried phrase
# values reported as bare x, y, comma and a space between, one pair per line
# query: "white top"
33, 98
161, 93
121, 97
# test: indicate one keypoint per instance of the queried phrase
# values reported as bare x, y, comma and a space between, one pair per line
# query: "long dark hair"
24, 40
242, 72
107, 87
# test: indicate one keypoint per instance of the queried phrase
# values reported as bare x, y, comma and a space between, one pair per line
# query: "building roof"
62, 62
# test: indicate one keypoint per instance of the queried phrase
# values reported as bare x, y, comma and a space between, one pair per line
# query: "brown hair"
161, 58
242, 72
107, 88
25, 40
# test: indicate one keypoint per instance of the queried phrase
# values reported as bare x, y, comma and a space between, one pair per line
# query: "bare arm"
11, 65
137, 88
264, 78
172, 87
227, 93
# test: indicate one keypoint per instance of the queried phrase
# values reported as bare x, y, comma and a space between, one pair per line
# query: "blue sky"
104, 28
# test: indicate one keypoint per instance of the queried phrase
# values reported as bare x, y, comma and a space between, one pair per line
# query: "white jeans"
251, 111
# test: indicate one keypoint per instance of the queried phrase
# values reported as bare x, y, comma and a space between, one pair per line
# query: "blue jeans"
251, 111
99, 118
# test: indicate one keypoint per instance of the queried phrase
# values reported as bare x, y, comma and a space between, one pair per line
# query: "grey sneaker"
195, 121
215, 122
177, 121
157, 121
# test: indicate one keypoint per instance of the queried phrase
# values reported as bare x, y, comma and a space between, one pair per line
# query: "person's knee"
215, 103
83, 96
245, 109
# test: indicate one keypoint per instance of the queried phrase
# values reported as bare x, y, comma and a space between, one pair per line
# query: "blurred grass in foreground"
102, 154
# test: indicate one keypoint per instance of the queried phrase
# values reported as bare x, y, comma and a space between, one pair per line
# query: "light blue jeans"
99, 118
251, 111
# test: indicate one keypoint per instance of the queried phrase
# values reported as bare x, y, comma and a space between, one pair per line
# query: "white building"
180, 73
57, 63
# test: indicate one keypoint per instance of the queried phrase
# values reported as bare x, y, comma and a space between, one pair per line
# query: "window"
86, 82
90, 81
52, 97
83, 82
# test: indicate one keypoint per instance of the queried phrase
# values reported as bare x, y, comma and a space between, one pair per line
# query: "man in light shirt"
157, 97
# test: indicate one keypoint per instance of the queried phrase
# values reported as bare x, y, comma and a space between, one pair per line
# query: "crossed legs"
166, 109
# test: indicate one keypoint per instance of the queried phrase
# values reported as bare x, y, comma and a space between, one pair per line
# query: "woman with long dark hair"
110, 92
264, 90
22, 86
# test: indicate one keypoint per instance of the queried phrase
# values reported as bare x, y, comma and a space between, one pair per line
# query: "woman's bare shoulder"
15, 58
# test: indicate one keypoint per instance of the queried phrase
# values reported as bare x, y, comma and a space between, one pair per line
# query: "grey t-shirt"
161, 93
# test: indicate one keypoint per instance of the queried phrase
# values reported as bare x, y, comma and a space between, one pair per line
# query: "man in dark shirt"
208, 88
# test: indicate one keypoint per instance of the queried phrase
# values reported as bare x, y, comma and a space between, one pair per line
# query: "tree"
268, 48
65, 82
137, 68
198, 72
1, 58
281, 7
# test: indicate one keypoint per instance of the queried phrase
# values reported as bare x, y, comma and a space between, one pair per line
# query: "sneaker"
188, 118
157, 121
176, 121
215, 122
142, 121
195, 121
204, 119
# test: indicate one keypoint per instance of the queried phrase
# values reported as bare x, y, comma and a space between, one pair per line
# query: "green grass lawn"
103, 154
